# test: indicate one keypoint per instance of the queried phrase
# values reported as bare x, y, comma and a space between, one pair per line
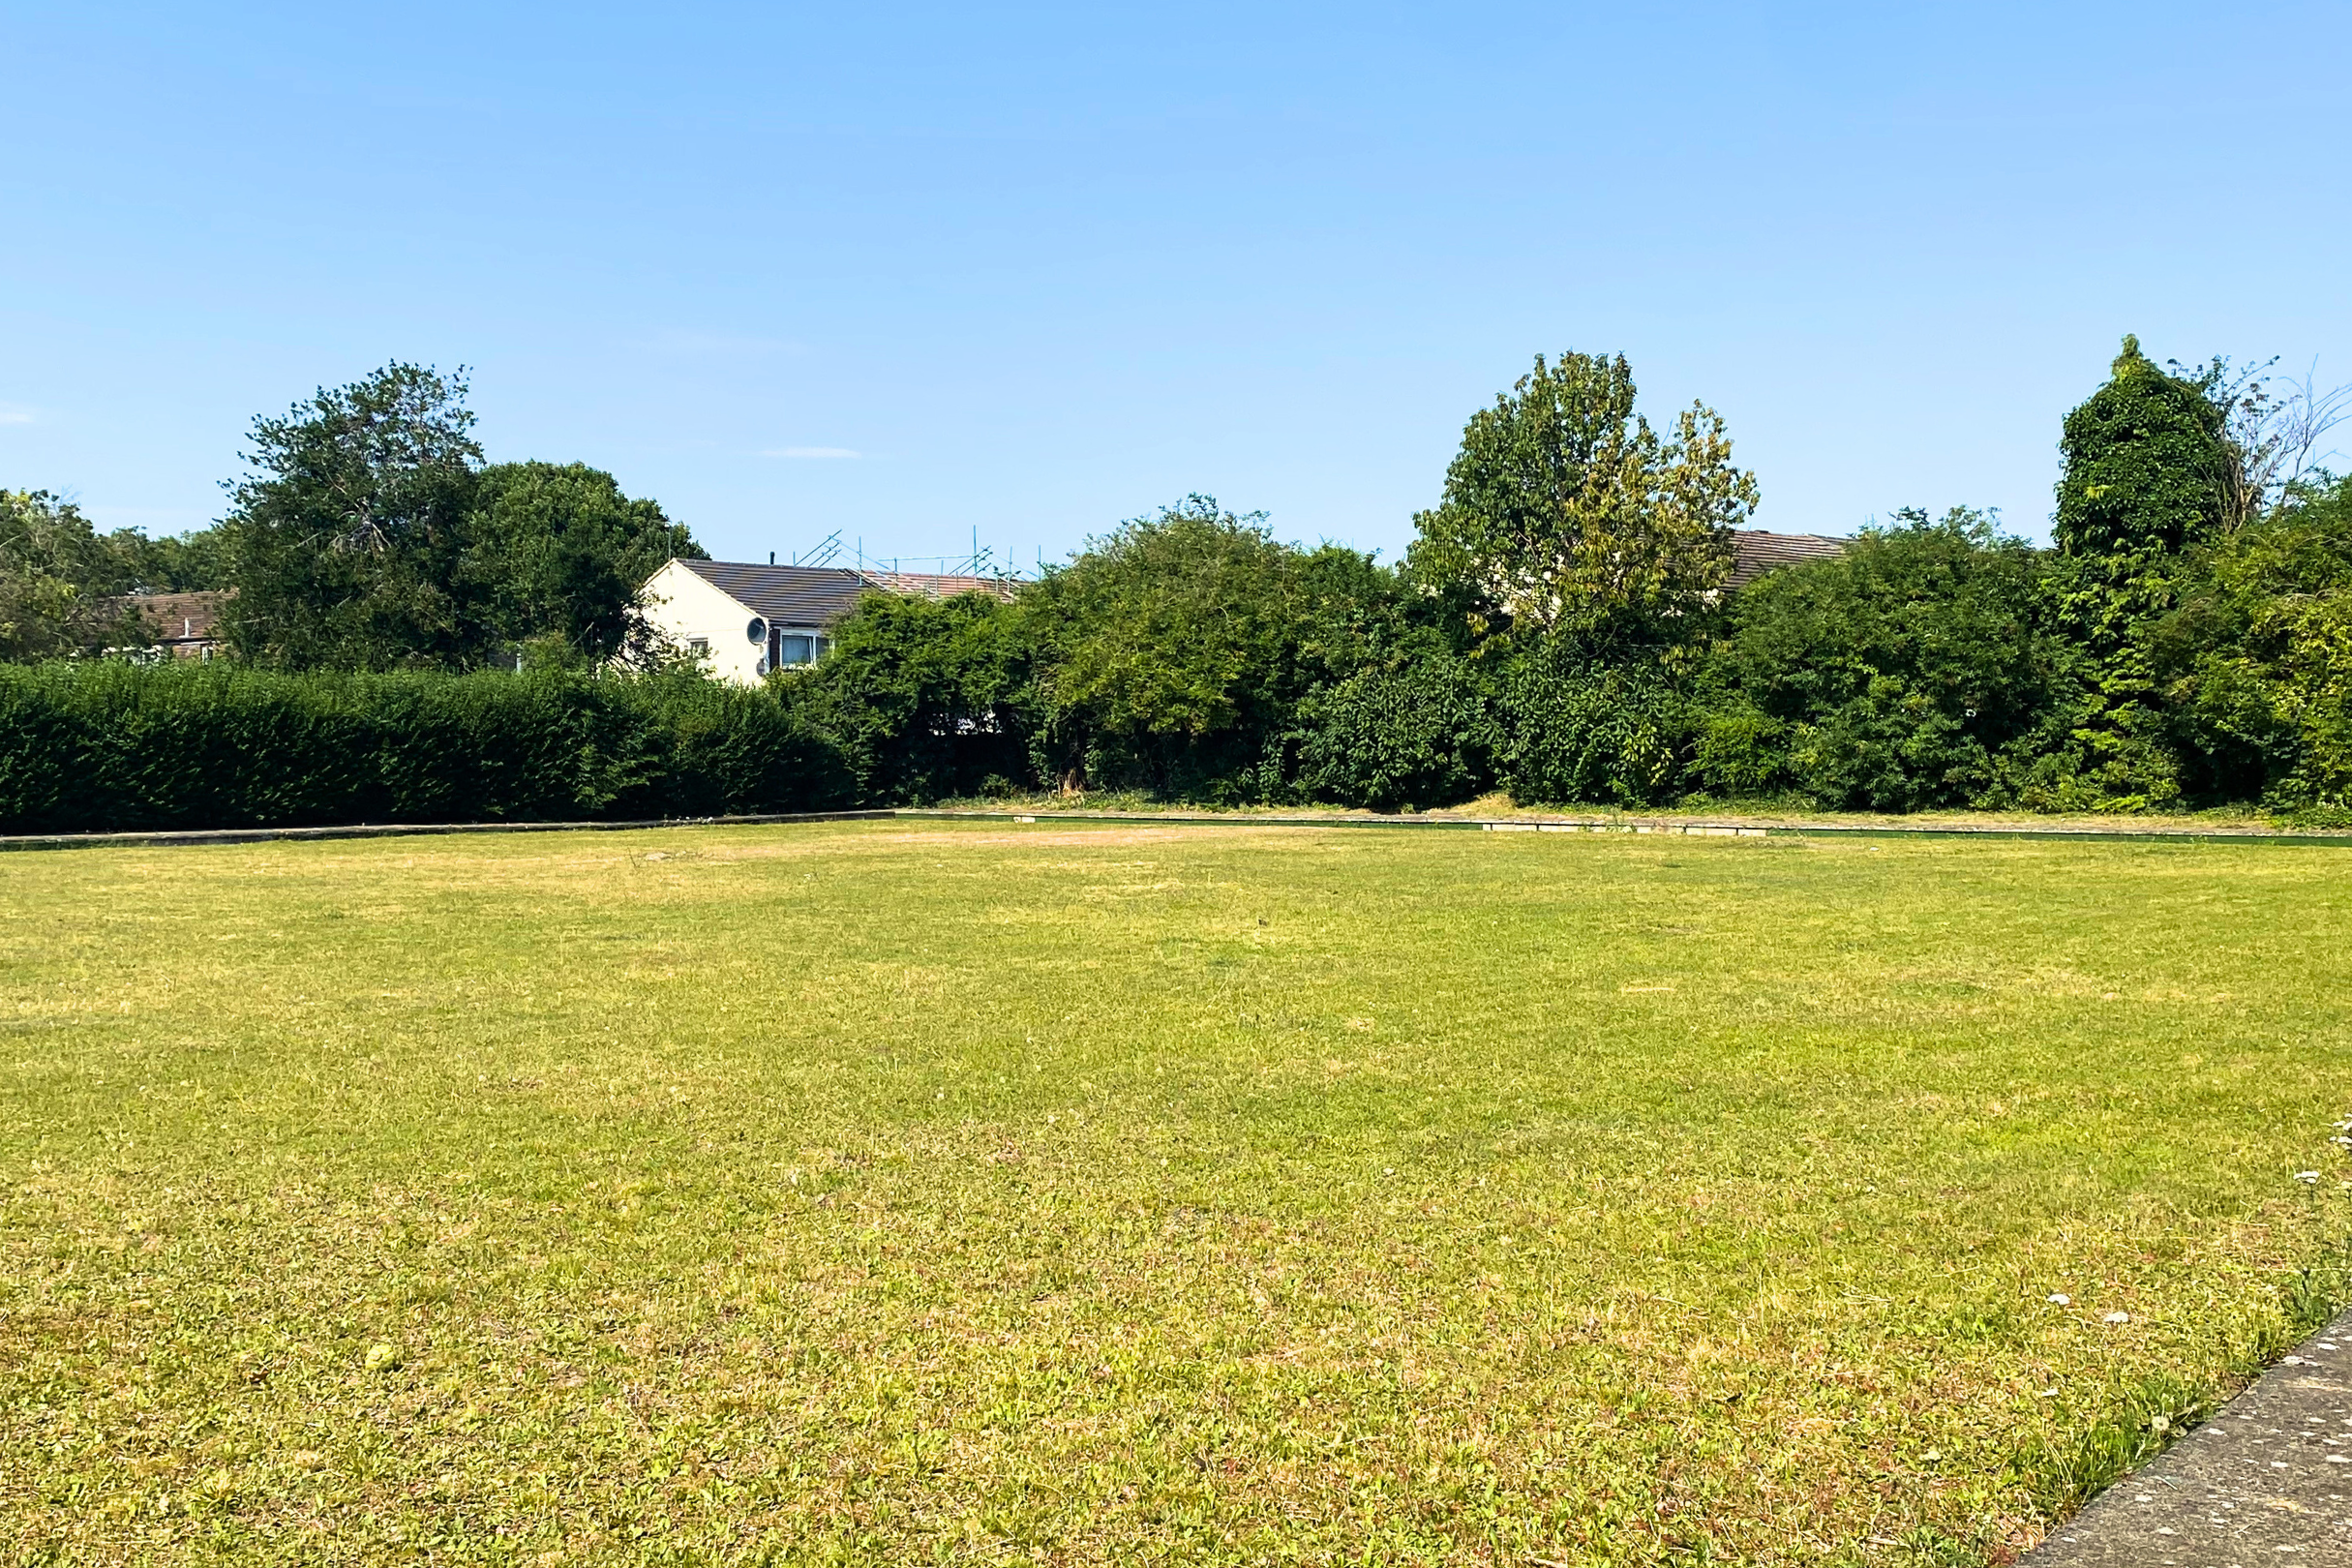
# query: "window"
795, 650
698, 646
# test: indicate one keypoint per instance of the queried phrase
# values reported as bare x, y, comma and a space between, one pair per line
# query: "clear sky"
910, 272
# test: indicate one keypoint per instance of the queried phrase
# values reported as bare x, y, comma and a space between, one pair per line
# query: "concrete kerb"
1608, 824
176, 838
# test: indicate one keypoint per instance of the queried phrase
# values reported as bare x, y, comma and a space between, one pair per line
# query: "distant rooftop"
1754, 551
820, 596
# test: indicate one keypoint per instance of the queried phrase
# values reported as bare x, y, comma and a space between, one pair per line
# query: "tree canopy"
56, 576
370, 536
1565, 514
1172, 650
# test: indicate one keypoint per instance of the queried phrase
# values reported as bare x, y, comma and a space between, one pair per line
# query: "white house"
748, 619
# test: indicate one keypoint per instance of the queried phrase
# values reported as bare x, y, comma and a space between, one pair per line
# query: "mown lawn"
985, 1193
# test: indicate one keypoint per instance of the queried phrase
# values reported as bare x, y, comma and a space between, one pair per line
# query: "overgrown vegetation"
1563, 628
1200, 1195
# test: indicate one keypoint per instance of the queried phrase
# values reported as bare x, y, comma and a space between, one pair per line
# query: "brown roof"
180, 617
1754, 551
820, 596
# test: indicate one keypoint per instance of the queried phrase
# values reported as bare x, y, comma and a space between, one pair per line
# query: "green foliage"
113, 746
1175, 651
369, 537
1577, 731
345, 542
556, 549
1566, 515
2148, 465
2150, 473
1914, 671
55, 572
1419, 730
2260, 657
185, 564
927, 699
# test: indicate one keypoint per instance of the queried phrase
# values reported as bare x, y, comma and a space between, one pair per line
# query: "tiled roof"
180, 617
1755, 552
820, 596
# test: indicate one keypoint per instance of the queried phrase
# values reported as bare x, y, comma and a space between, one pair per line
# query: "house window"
698, 646
795, 650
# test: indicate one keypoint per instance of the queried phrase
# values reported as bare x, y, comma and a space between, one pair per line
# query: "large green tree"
1566, 514
2148, 473
556, 552
346, 541
370, 536
57, 575
1173, 652
2257, 662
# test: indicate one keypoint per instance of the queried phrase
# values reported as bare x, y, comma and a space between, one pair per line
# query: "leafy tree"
1917, 670
1174, 653
2149, 473
56, 574
371, 537
1566, 514
173, 564
557, 550
2258, 659
927, 699
346, 543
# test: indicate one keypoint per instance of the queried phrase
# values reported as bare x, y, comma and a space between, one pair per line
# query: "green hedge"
110, 746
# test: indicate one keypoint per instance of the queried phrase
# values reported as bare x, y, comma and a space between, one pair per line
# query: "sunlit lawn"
875, 1193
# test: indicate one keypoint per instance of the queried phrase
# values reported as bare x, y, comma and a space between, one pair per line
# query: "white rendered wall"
680, 607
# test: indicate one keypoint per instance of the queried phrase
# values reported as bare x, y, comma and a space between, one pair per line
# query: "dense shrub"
2258, 660
1420, 732
117, 746
1174, 653
1576, 729
1914, 671
927, 700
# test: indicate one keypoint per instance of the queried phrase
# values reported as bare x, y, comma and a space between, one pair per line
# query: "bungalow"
746, 619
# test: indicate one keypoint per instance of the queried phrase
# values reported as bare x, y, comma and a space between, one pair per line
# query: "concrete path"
2267, 1481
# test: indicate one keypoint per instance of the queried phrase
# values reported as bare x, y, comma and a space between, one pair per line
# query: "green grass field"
985, 1193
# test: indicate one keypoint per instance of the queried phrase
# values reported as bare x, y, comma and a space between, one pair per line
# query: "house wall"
681, 608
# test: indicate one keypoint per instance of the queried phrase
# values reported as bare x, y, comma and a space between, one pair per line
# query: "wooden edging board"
1488, 825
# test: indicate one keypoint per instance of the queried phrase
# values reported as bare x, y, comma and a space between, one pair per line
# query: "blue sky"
911, 273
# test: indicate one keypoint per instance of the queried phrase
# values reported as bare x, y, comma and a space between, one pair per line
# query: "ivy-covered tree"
1566, 514
2150, 470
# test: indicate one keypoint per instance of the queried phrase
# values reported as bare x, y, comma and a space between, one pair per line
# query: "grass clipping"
1062, 1195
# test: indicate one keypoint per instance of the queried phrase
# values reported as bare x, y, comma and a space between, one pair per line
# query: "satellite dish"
760, 668
757, 631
